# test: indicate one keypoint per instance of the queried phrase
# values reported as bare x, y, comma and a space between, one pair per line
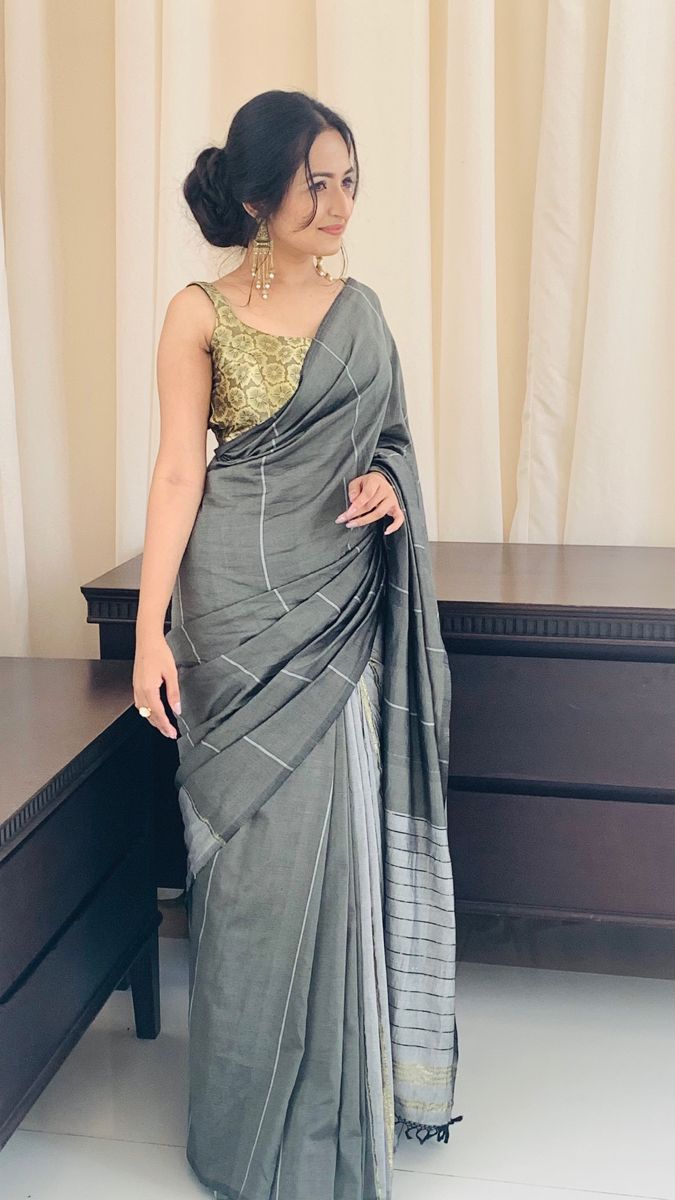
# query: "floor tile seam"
104, 1137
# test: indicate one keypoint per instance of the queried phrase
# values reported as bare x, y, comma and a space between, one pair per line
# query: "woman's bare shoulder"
190, 311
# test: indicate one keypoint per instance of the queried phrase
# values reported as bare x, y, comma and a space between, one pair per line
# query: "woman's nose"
341, 208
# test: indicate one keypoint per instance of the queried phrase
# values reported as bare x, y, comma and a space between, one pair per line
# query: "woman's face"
332, 179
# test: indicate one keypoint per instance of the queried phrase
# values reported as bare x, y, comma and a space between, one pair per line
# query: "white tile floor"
566, 1083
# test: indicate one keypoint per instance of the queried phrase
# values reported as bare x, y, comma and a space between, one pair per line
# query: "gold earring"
263, 262
325, 274
262, 268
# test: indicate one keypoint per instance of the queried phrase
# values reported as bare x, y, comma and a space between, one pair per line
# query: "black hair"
269, 137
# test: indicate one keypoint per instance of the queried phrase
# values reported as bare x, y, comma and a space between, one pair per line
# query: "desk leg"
143, 975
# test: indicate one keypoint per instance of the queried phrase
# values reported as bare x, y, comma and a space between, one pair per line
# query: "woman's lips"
331, 228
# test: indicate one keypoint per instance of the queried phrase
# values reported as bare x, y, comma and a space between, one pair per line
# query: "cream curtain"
515, 216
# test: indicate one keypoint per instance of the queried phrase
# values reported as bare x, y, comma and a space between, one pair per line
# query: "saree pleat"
337, 1140
314, 743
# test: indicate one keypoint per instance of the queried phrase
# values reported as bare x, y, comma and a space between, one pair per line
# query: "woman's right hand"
153, 663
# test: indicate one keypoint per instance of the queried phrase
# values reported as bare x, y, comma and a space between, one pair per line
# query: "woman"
314, 689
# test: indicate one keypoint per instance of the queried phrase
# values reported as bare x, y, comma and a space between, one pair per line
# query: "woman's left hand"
372, 497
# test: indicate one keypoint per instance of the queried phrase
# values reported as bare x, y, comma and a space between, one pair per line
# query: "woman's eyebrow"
331, 174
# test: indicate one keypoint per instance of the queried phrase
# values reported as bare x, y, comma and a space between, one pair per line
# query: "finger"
395, 524
354, 489
158, 716
366, 508
354, 486
172, 691
380, 510
365, 501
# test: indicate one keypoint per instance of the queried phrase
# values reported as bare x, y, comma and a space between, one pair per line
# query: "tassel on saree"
414, 1129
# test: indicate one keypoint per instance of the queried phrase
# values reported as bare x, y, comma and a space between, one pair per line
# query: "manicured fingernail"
176, 708
338, 519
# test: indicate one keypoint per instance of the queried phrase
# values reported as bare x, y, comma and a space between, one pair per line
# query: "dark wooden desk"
77, 892
561, 804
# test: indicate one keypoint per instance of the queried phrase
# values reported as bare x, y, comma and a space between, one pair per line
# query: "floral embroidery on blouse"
254, 373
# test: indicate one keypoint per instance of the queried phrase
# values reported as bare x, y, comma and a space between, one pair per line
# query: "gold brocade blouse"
254, 373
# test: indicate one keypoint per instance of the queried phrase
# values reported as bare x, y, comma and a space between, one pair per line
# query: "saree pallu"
313, 749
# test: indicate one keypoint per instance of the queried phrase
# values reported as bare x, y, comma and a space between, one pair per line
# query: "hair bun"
214, 166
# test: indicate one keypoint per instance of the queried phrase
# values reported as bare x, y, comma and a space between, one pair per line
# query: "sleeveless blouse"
254, 373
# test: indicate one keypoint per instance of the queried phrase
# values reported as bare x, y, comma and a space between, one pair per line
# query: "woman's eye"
322, 183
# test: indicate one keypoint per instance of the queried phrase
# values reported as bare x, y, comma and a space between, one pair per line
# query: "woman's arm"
184, 386
176, 490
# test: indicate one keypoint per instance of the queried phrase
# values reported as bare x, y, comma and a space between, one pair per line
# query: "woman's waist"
242, 552
235, 595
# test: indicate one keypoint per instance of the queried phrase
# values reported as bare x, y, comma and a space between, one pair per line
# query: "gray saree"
313, 751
